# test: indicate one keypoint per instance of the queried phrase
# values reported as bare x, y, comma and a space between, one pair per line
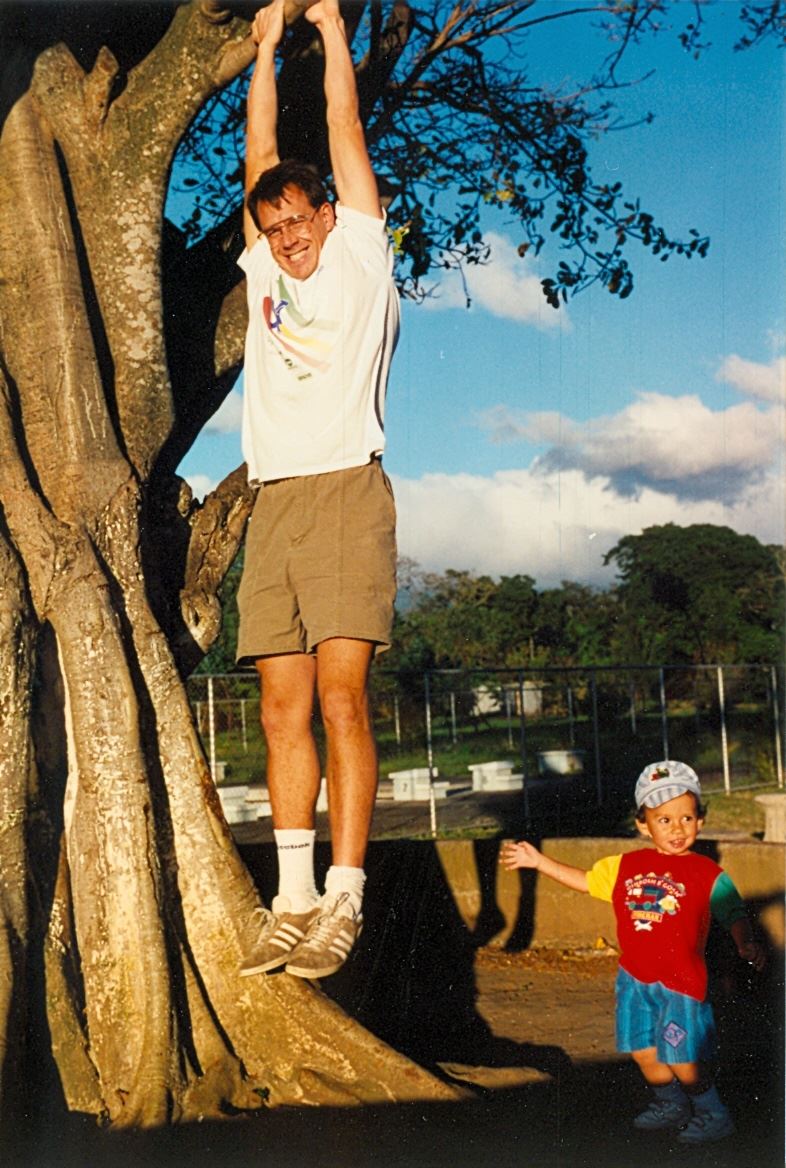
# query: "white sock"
295, 849
350, 880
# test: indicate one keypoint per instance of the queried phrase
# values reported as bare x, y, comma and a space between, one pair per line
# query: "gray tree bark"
110, 573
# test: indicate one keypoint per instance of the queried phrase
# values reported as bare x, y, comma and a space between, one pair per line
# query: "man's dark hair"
271, 184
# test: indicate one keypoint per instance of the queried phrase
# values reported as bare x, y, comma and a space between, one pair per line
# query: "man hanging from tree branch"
316, 596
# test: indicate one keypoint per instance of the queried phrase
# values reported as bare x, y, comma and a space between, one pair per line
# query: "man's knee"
344, 709
281, 717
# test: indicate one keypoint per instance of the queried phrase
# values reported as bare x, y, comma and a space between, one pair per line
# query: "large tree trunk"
110, 573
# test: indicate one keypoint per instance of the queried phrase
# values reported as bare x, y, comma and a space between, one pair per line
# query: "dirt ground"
546, 1089
550, 997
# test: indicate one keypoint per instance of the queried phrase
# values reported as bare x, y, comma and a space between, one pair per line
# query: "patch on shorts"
674, 1034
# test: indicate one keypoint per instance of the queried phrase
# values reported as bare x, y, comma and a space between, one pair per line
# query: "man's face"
296, 231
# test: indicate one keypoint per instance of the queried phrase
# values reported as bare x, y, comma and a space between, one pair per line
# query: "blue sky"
521, 439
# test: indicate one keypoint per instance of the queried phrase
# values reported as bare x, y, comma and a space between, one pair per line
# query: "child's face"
673, 826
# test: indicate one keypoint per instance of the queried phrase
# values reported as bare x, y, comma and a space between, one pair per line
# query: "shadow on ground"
412, 980
582, 1121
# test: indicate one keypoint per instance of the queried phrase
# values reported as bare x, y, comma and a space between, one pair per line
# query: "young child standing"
663, 898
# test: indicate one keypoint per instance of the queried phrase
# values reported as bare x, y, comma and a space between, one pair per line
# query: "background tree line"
695, 595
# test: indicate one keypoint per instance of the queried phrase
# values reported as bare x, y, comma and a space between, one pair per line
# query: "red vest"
662, 905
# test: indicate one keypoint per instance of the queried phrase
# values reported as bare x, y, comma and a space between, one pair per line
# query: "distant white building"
500, 699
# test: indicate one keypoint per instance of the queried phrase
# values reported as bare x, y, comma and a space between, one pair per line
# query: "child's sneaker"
329, 940
706, 1127
711, 1120
281, 930
662, 1115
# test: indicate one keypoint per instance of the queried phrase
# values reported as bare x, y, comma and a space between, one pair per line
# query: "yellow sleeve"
602, 877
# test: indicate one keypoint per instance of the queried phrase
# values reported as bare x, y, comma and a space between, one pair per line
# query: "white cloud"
661, 459
228, 416
675, 445
764, 382
506, 286
554, 525
200, 484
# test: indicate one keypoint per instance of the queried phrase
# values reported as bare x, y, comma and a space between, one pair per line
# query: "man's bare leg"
292, 760
342, 683
342, 677
293, 784
293, 773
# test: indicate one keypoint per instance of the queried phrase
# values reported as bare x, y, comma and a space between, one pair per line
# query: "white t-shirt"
318, 353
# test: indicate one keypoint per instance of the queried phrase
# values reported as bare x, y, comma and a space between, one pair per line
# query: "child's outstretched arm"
748, 947
524, 855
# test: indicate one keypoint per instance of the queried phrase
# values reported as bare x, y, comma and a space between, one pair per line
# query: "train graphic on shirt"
651, 898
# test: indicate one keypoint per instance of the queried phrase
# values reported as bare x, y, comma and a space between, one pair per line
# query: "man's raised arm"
262, 112
354, 179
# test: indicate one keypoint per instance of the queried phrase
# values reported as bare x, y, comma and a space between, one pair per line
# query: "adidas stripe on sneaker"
280, 933
329, 940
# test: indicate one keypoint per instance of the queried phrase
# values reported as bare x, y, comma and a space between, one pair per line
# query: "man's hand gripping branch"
267, 30
352, 173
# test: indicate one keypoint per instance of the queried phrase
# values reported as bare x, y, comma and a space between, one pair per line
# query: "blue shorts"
681, 1029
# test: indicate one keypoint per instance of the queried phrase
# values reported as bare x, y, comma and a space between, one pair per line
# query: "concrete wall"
539, 912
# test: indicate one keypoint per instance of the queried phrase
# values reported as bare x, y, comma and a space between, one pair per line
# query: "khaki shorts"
320, 562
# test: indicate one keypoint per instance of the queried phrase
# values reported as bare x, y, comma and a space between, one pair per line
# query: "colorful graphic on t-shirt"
297, 335
650, 898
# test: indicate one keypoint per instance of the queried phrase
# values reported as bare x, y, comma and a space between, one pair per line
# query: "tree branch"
217, 529
123, 211
49, 348
377, 67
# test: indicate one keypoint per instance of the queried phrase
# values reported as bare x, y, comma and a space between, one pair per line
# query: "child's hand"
754, 953
519, 855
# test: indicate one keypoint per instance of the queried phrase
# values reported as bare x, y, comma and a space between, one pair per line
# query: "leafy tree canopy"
459, 123
700, 593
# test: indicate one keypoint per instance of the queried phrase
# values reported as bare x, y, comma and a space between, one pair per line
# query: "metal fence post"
243, 724
776, 724
430, 757
211, 730
397, 720
523, 746
508, 704
664, 720
596, 734
632, 706
781, 688
724, 737
571, 726
453, 729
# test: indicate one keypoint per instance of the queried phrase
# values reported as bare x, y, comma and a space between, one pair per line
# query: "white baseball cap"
661, 781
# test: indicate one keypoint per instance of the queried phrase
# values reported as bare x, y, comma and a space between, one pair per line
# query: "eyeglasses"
297, 224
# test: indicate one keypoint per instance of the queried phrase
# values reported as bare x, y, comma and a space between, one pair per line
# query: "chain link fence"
605, 722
